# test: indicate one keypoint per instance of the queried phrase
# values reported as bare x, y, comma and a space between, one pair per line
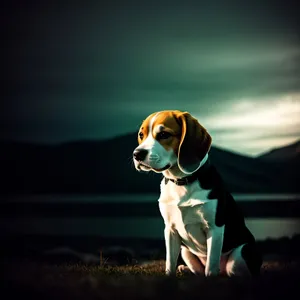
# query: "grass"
38, 280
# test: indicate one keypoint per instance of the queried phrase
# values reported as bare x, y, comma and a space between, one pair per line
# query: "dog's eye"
141, 135
163, 135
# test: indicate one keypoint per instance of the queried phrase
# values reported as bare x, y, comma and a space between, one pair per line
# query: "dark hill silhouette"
288, 157
105, 166
287, 153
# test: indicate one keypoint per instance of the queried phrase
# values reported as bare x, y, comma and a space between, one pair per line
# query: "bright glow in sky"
252, 125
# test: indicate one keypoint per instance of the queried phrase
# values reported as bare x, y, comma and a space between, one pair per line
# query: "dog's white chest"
187, 210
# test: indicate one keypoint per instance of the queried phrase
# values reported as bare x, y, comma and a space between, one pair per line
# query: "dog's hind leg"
244, 261
193, 263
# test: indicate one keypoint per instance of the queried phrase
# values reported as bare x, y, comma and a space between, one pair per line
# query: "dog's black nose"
140, 154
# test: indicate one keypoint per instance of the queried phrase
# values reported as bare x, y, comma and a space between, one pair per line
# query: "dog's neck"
175, 173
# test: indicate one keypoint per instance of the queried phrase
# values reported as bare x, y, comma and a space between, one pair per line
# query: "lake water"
133, 227
132, 198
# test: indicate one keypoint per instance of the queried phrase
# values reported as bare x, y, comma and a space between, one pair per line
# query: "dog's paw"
183, 269
170, 274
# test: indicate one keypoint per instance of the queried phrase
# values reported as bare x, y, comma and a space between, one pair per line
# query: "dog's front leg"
215, 235
173, 243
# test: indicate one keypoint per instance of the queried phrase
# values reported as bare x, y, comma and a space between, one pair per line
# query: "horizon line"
87, 140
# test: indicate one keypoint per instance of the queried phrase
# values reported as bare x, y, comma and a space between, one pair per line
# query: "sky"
95, 71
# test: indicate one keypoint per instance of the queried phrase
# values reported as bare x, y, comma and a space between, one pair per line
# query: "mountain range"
283, 154
105, 166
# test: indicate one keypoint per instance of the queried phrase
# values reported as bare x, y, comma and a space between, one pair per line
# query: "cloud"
252, 125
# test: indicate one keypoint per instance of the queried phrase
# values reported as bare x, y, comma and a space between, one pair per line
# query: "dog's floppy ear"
194, 144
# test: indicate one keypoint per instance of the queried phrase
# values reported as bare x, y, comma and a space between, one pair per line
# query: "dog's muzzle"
140, 154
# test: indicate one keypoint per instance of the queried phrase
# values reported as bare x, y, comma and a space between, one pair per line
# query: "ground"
41, 280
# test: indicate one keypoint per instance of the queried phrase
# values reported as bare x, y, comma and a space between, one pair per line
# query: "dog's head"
170, 138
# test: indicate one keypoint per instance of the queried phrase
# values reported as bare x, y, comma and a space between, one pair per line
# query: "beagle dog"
202, 220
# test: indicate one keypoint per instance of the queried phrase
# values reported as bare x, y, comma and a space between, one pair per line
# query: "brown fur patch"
168, 119
170, 124
145, 128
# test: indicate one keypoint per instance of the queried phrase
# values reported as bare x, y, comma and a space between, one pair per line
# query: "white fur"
189, 217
